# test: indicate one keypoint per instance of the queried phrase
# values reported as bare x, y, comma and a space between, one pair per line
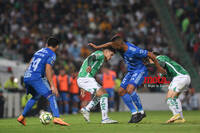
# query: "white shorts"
88, 84
180, 83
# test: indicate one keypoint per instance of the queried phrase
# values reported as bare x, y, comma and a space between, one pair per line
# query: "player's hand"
89, 69
161, 70
82, 93
92, 45
55, 91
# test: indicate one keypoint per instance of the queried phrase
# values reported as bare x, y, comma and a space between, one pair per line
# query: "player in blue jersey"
38, 80
133, 57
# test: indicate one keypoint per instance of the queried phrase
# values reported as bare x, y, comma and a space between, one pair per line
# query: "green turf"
153, 123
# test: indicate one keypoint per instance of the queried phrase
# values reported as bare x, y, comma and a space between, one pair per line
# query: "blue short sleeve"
51, 60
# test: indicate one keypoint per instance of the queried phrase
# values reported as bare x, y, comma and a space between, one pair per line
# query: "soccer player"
87, 82
133, 57
38, 80
180, 82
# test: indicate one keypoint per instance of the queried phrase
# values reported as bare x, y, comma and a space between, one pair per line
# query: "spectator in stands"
63, 87
11, 84
74, 91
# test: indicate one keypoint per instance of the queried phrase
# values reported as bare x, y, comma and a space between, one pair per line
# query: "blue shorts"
64, 96
110, 92
75, 97
134, 78
38, 87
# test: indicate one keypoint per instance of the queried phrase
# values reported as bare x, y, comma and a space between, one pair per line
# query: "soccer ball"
45, 117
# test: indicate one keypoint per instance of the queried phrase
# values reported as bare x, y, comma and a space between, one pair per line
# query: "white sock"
142, 111
134, 113
171, 103
93, 103
179, 107
104, 106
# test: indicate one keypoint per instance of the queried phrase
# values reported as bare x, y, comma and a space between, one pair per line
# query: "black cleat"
135, 118
141, 116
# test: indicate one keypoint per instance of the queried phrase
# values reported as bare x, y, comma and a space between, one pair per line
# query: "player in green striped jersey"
181, 81
87, 82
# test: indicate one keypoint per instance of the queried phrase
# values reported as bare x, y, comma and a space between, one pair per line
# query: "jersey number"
34, 63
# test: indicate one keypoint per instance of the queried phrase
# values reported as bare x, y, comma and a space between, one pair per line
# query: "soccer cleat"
59, 121
141, 116
180, 121
135, 118
21, 119
86, 114
108, 121
174, 118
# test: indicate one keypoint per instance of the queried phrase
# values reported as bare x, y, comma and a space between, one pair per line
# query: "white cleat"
108, 121
86, 114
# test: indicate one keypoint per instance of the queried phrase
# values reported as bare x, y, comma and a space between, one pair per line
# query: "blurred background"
170, 27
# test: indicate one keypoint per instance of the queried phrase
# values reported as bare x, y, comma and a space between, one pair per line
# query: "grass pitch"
153, 123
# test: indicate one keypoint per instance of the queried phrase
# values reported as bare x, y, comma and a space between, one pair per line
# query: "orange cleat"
21, 119
59, 121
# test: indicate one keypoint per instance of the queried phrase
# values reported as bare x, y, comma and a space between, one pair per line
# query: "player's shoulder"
98, 53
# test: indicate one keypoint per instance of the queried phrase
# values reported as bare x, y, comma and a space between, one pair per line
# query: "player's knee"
121, 91
101, 92
130, 89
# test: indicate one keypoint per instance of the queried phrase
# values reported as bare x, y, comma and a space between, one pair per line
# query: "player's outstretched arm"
159, 68
101, 46
49, 75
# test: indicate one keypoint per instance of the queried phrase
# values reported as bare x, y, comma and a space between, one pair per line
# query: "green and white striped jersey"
173, 68
95, 65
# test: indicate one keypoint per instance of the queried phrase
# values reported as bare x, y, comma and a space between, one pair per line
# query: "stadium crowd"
186, 12
25, 25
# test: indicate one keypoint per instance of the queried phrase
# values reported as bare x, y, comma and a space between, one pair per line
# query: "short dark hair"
116, 37
110, 48
52, 41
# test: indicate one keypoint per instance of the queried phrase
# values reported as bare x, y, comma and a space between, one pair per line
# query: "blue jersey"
133, 57
36, 69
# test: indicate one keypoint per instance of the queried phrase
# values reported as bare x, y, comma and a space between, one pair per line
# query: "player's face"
108, 54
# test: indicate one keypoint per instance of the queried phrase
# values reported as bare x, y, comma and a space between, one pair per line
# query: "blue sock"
29, 106
53, 106
74, 110
128, 101
66, 108
136, 100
